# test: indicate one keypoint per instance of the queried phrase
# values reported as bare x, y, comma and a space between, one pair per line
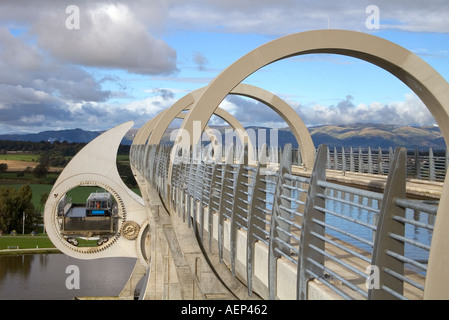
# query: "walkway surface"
415, 188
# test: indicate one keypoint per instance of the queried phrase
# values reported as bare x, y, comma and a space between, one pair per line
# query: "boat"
94, 220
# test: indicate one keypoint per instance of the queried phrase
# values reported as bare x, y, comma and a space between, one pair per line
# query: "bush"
3, 167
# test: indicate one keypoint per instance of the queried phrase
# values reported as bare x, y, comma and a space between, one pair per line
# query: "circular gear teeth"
111, 240
96, 166
130, 230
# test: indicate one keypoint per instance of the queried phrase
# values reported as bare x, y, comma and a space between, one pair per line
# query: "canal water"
52, 276
350, 222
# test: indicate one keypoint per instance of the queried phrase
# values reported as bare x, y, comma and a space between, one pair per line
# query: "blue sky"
128, 60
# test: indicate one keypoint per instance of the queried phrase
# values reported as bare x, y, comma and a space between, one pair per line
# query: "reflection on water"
43, 276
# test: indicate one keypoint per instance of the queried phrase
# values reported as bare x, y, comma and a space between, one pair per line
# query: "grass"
87, 243
25, 241
78, 195
34, 242
10, 178
20, 157
44, 185
123, 158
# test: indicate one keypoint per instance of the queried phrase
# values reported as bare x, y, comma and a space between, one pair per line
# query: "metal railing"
421, 164
361, 244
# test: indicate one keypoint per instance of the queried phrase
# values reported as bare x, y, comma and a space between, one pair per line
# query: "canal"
51, 277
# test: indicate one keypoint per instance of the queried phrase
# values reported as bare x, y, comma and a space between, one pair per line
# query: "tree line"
17, 211
15, 203
65, 148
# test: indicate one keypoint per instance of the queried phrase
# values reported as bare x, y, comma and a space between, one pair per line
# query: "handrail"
339, 235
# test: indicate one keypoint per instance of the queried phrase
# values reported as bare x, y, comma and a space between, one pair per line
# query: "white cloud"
45, 81
410, 111
284, 17
110, 36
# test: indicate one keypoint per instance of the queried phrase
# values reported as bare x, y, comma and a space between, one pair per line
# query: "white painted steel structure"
224, 227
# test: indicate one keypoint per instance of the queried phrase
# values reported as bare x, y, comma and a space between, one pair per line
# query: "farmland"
21, 164
20, 172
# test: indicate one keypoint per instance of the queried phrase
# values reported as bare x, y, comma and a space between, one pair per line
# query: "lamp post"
23, 223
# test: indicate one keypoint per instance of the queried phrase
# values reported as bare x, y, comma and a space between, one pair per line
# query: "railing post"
387, 224
157, 168
343, 160
335, 159
176, 178
380, 161
306, 269
390, 158
351, 160
205, 194
284, 167
255, 216
417, 165
237, 204
370, 161
197, 190
226, 200
191, 179
184, 182
153, 159
360, 160
432, 176
213, 194
446, 163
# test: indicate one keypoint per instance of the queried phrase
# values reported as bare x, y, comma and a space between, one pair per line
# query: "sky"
96, 64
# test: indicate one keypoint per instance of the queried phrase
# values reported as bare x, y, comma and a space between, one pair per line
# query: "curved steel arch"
151, 127
428, 84
154, 129
287, 113
419, 76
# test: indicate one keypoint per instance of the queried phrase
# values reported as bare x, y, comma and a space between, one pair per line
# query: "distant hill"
378, 135
71, 135
366, 135
355, 135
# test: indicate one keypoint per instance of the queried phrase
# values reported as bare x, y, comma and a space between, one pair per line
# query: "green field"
78, 195
45, 184
20, 157
12, 178
123, 158
25, 242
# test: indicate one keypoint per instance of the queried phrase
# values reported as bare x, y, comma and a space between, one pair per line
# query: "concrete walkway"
415, 188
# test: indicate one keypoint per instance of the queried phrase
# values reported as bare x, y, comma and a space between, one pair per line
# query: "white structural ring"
95, 165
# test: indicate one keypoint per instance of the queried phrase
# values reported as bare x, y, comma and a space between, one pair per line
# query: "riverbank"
11, 252
26, 244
